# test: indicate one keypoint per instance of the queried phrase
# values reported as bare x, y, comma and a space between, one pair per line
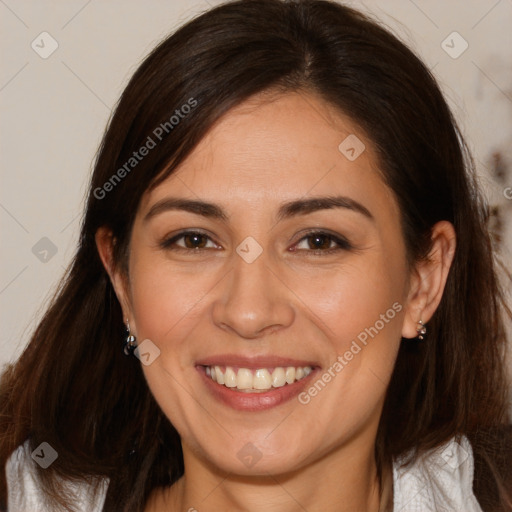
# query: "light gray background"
54, 111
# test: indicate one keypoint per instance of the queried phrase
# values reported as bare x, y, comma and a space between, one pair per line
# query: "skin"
295, 300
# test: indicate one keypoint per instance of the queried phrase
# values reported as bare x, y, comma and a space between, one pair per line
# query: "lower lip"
258, 401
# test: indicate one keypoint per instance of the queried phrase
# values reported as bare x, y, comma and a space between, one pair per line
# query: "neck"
343, 480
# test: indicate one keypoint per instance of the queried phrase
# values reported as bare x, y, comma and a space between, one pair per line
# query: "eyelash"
343, 244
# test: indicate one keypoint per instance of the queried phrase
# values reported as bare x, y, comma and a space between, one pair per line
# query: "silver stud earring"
130, 344
421, 330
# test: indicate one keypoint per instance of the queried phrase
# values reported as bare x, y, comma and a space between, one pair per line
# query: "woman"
284, 219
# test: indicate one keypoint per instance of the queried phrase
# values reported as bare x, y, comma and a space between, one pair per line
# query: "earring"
421, 330
130, 343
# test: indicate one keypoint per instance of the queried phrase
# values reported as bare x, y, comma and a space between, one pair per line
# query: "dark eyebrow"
287, 210
198, 207
305, 206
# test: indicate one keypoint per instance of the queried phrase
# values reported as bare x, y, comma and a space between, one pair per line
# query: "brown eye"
319, 242
195, 240
189, 241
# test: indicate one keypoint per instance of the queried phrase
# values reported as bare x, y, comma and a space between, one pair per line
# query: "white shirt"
439, 481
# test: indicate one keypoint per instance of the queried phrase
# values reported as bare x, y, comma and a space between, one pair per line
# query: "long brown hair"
74, 388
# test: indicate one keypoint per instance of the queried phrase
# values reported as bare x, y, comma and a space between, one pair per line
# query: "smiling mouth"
256, 380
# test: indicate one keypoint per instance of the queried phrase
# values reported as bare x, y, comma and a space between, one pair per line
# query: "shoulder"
24, 491
440, 480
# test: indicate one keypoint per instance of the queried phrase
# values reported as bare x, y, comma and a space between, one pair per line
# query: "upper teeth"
260, 379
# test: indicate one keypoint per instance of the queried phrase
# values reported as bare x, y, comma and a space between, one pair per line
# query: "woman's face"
275, 256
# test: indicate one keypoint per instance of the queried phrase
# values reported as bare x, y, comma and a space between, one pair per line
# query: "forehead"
279, 146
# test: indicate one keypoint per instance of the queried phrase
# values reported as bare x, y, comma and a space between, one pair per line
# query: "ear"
105, 243
428, 279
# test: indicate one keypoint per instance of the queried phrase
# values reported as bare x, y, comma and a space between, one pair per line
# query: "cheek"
360, 311
168, 307
168, 302
164, 300
353, 299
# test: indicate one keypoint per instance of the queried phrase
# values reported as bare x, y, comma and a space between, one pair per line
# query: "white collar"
439, 481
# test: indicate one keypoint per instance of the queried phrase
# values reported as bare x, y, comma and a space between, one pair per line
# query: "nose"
253, 300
